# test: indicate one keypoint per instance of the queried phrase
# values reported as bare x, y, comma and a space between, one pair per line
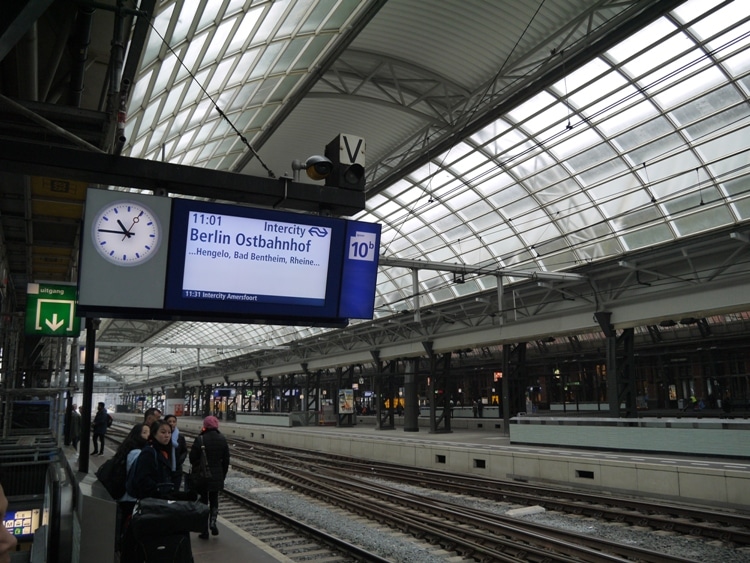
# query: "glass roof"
645, 144
247, 61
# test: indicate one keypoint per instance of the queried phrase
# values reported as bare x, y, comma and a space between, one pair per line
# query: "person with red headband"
217, 453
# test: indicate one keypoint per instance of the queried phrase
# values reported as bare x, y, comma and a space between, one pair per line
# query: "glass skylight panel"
590, 157
387, 210
653, 153
290, 54
173, 99
644, 238
425, 172
689, 88
533, 106
295, 17
602, 173
643, 133
627, 118
149, 117
475, 210
540, 124
154, 44
456, 236
519, 210
605, 83
497, 183
656, 67
432, 248
159, 135
738, 64
582, 140
209, 14
183, 21
726, 17
191, 57
490, 133
483, 222
139, 90
163, 78
553, 178
270, 21
460, 200
730, 149
468, 164
504, 197
137, 146
523, 168
216, 84
640, 40
185, 138
625, 98
216, 45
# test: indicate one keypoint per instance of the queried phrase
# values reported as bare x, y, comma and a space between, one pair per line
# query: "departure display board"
229, 258
227, 263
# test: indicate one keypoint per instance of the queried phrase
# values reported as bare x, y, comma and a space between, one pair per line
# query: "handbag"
200, 473
161, 517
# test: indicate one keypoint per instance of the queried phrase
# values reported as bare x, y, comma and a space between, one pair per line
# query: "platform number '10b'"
362, 247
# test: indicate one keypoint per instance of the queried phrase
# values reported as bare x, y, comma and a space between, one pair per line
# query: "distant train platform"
619, 462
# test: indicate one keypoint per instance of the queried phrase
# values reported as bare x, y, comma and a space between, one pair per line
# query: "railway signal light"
347, 153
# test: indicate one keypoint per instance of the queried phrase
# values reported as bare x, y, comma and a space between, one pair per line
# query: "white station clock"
126, 233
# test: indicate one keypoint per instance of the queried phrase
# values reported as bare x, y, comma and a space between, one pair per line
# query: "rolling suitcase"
168, 549
161, 529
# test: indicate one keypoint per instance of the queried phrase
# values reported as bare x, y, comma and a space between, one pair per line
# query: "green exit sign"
51, 310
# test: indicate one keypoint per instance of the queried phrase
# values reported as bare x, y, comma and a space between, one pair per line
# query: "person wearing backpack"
130, 449
152, 473
217, 454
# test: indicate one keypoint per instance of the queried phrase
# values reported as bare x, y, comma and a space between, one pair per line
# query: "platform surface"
232, 545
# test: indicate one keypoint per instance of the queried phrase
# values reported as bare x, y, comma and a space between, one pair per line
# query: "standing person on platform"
179, 451
7, 540
151, 415
75, 427
217, 453
152, 473
130, 449
99, 426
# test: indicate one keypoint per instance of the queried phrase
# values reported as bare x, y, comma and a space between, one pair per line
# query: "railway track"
293, 538
472, 533
369, 489
727, 526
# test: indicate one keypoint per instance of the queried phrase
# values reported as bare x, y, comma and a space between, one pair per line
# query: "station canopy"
538, 135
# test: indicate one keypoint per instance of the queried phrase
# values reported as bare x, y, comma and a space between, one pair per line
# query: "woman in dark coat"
153, 468
217, 453
130, 449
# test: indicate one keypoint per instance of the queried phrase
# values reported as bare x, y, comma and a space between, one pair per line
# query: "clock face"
126, 233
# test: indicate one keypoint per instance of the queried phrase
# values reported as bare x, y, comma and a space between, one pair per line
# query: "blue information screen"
242, 261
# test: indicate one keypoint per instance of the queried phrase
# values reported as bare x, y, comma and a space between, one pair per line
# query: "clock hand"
116, 232
124, 230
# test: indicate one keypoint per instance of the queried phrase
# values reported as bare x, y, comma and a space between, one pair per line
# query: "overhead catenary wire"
216, 106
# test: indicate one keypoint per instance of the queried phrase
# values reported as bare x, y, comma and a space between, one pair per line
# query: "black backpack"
113, 474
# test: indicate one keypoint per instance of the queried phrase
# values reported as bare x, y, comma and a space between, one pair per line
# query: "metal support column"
383, 389
629, 390
514, 381
311, 402
440, 407
92, 325
411, 398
